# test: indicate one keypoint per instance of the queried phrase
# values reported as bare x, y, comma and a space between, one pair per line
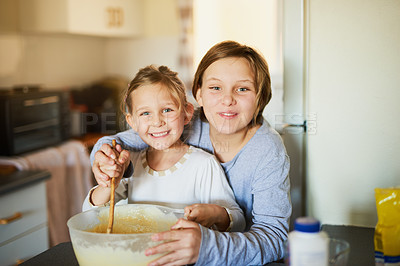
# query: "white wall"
256, 23
53, 61
126, 57
354, 64
50, 61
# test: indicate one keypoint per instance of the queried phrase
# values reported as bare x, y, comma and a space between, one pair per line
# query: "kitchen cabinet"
23, 216
107, 18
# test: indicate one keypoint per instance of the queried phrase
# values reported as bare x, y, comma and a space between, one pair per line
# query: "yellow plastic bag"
387, 230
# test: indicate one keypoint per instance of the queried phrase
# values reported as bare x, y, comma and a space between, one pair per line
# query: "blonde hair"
257, 63
156, 75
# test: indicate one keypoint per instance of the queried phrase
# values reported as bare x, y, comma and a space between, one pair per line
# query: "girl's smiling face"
228, 95
156, 116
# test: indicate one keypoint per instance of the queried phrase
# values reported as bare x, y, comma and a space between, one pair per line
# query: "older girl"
232, 86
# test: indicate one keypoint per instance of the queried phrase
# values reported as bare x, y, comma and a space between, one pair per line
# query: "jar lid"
307, 224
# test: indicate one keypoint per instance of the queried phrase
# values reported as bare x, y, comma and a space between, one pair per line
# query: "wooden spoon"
112, 200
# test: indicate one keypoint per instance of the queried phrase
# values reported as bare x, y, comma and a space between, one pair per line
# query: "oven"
32, 120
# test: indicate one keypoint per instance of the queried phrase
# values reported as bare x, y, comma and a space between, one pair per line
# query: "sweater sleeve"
128, 139
264, 242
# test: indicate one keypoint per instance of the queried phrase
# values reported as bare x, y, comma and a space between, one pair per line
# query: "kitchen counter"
60, 255
19, 179
360, 239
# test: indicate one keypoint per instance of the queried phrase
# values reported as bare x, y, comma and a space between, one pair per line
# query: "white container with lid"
307, 245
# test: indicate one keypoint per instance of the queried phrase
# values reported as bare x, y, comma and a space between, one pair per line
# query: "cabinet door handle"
8, 220
115, 17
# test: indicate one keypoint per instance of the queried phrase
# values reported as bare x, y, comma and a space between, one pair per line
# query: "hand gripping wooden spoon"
112, 200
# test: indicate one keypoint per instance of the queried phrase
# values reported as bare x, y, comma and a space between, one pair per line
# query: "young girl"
232, 86
169, 172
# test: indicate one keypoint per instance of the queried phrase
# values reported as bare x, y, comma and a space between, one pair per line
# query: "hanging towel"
71, 179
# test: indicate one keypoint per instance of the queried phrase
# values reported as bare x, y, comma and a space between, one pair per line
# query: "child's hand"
105, 166
208, 215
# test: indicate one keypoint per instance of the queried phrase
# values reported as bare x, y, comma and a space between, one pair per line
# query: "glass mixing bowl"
339, 251
134, 224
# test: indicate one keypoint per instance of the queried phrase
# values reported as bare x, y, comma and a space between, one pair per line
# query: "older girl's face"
228, 95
